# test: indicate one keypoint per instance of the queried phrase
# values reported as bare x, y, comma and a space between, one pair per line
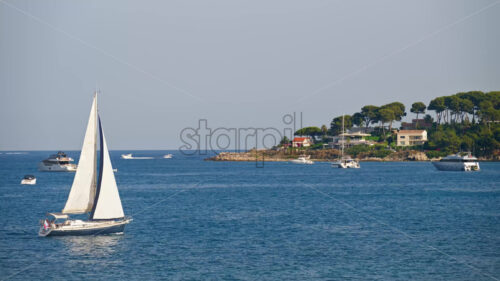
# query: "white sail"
107, 204
81, 196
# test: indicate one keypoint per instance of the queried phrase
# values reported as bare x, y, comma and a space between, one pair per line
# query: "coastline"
324, 155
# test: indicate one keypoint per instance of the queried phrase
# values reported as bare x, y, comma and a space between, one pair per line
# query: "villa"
301, 142
411, 137
350, 139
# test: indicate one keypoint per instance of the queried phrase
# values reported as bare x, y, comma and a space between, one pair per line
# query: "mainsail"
107, 203
81, 196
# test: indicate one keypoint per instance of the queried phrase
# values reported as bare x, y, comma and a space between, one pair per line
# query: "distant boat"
167, 156
345, 162
29, 179
59, 162
129, 156
94, 191
457, 163
302, 160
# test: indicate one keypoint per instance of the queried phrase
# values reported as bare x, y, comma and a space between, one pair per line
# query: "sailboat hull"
86, 229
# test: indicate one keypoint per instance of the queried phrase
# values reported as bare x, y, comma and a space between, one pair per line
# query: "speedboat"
457, 163
94, 191
167, 156
59, 162
346, 163
129, 156
302, 160
29, 179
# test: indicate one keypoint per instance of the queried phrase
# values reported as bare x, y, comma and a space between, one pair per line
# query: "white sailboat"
94, 191
345, 162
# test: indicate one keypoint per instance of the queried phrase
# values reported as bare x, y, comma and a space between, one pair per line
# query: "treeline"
472, 107
467, 121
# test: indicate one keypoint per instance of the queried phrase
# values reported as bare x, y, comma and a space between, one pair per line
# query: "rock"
417, 156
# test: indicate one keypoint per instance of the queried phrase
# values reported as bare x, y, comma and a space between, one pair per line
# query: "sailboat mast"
95, 175
343, 133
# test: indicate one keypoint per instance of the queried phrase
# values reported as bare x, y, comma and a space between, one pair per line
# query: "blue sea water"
198, 220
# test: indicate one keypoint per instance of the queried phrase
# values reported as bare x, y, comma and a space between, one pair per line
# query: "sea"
203, 220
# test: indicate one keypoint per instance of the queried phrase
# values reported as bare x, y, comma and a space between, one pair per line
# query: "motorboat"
167, 156
29, 179
302, 160
94, 191
59, 162
457, 162
127, 156
345, 162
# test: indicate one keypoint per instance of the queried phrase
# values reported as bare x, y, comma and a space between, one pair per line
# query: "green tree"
370, 114
428, 119
466, 107
386, 115
476, 97
395, 111
284, 141
309, 131
358, 119
438, 106
324, 130
336, 124
418, 108
453, 107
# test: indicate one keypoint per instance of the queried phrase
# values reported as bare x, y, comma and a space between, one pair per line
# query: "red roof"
297, 139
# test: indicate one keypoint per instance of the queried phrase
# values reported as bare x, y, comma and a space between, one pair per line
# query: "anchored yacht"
345, 162
302, 160
59, 162
457, 163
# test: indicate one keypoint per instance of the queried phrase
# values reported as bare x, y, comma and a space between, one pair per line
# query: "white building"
411, 137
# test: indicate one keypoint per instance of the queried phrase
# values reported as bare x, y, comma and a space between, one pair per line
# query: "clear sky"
163, 65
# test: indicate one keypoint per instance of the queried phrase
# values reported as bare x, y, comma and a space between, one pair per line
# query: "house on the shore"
350, 139
411, 137
301, 142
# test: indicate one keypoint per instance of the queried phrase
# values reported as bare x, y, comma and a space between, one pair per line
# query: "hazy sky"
162, 65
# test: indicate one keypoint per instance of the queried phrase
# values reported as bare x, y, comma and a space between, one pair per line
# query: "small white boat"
129, 156
457, 163
302, 160
167, 156
59, 162
94, 191
346, 163
29, 179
